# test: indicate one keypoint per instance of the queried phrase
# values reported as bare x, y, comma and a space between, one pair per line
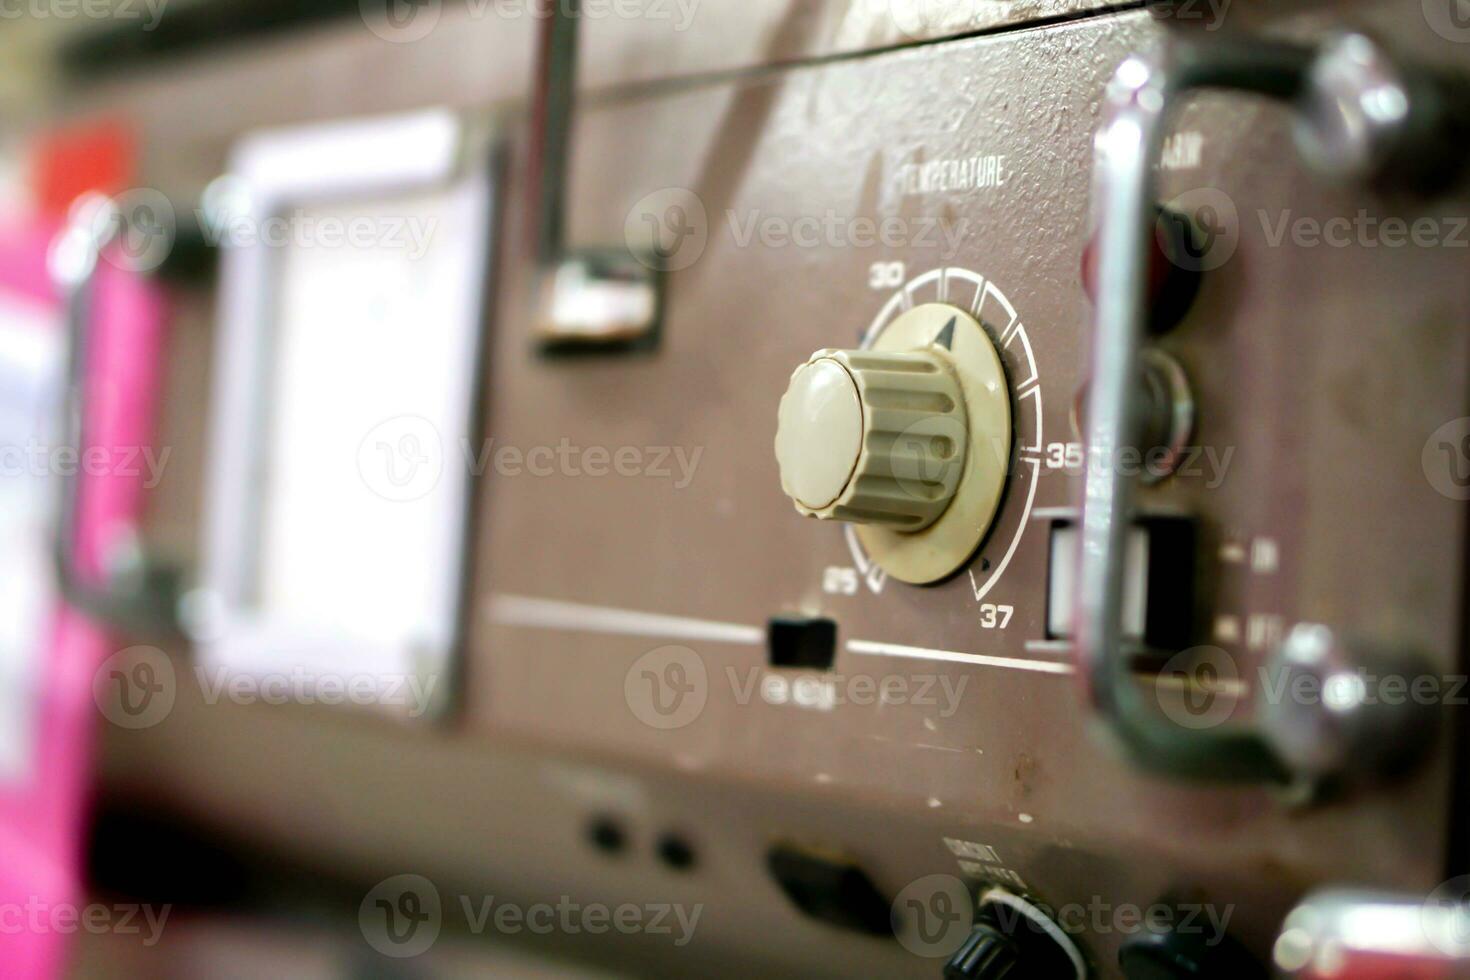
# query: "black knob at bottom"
986, 954
1006, 944
1187, 956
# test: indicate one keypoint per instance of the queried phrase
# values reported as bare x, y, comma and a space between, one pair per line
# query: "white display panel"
352, 311
363, 463
32, 354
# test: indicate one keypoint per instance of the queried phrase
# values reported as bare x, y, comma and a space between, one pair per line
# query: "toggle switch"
1158, 583
1175, 263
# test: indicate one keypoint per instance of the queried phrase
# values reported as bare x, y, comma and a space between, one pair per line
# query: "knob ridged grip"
873, 437
986, 954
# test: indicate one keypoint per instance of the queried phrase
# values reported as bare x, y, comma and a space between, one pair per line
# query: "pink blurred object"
43, 807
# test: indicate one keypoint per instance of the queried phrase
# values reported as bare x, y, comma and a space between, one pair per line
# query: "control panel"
970, 496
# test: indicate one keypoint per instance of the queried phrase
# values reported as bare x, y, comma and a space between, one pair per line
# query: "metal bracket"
594, 298
136, 593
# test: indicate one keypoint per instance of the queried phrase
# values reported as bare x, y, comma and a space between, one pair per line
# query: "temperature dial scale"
909, 439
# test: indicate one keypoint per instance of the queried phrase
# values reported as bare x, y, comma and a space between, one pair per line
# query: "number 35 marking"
1064, 455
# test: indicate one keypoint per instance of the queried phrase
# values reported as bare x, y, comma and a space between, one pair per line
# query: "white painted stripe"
1055, 513
922, 653
1229, 688
554, 614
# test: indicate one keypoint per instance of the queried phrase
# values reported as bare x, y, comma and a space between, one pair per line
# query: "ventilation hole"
607, 835
676, 852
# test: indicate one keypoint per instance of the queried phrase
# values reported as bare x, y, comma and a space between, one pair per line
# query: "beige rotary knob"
908, 439
872, 437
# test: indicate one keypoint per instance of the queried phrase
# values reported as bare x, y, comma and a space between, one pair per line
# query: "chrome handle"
1331, 84
135, 593
1137, 108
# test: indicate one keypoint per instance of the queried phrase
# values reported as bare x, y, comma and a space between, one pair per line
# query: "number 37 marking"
994, 617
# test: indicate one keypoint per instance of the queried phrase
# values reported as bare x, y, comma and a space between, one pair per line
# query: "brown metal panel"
1321, 371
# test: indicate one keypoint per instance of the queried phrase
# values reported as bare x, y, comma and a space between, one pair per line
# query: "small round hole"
676, 852
607, 835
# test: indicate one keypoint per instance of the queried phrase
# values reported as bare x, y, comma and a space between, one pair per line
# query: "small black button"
802, 641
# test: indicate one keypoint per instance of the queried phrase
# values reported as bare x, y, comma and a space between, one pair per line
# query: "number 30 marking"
885, 275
